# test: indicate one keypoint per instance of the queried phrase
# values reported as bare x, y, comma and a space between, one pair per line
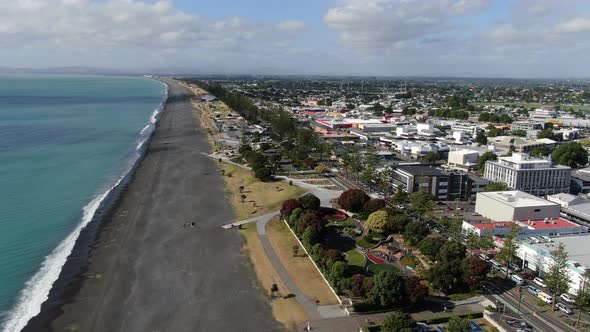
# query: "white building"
463, 159
536, 255
468, 128
514, 205
535, 176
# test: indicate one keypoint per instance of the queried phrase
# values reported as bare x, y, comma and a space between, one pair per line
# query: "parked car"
527, 276
540, 282
517, 323
532, 290
526, 329
518, 280
563, 308
568, 298
514, 267
545, 297
483, 257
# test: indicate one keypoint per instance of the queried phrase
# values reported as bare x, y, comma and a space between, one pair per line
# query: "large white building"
536, 255
514, 205
531, 175
463, 159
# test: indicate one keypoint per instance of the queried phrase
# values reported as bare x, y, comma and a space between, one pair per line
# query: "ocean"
65, 142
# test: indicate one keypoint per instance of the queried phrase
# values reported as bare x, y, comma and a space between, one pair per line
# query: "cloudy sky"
478, 38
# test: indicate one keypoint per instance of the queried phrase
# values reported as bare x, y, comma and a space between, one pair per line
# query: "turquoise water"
64, 141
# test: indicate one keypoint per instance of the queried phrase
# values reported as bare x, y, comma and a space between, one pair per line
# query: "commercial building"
535, 176
580, 181
442, 185
574, 207
463, 159
529, 229
514, 205
526, 125
468, 128
536, 255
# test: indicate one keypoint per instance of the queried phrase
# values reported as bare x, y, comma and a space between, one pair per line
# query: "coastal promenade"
146, 271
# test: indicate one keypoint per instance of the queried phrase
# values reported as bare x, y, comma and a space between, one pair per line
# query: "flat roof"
575, 245
517, 198
551, 223
421, 170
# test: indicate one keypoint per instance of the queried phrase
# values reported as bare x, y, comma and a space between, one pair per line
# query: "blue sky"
483, 38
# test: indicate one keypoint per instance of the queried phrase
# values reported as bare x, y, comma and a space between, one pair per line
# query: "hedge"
436, 320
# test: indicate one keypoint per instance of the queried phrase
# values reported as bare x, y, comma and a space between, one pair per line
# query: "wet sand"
139, 269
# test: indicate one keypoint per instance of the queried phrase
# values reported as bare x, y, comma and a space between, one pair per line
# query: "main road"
146, 271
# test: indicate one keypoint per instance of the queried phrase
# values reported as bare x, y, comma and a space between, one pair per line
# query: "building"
526, 125
542, 115
463, 159
468, 128
535, 254
514, 205
580, 181
527, 228
574, 207
535, 176
442, 185
520, 144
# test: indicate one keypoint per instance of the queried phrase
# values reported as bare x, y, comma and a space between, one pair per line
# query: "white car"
563, 308
568, 298
540, 282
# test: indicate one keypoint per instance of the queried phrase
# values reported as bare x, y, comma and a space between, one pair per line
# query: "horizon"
519, 39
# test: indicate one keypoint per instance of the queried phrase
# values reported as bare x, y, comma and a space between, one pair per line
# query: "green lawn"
363, 242
355, 258
409, 260
377, 268
530, 105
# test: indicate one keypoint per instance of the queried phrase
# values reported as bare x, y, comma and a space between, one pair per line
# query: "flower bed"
375, 259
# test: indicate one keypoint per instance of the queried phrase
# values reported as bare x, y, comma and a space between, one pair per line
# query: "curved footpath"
147, 272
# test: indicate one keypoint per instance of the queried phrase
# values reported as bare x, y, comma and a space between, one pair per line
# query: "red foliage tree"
331, 255
415, 290
474, 272
310, 219
356, 285
373, 204
353, 200
288, 206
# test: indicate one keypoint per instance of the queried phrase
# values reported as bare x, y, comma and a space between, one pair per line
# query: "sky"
461, 38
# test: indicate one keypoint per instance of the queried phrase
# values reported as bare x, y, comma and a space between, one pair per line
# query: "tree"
558, 276
421, 203
377, 221
511, 245
373, 205
583, 296
400, 196
446, 275
263, 173
337, 272
472, 242
431, 157
453, 226
356, 285
458, 324
353, 200
481, 162
415, 232
539, 151
309, 237
572, 154
295, 250
288, 206
474, 272
397, 222
546, 133
295, 215
486, 242
430, 246
481, 138
518, 132
310, 202
388, 289
496, 186
451, 251
415, 290
398, 322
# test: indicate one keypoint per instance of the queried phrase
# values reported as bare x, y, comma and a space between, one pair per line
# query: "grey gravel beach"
146, 271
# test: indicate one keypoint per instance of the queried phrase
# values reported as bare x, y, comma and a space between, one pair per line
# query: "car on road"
526, 329
532, 290
545, 297
517, 323
540, 282
563, 308
514, 267
568, 298
518, 280
483, 257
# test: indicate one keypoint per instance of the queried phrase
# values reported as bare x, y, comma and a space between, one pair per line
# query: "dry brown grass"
286, 311
301, 269
261, 197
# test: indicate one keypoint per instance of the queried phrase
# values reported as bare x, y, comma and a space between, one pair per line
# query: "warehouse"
514, 205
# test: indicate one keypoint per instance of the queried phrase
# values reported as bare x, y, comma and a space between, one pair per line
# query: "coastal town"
378, 205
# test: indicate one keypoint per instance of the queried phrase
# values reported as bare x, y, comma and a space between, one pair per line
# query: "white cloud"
575, 25
382, 23
291, 25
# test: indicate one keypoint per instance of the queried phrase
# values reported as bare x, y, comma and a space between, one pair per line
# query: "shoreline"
79, 298
71, 276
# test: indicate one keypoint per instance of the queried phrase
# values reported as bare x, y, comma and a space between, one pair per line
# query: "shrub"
353, 200
446, 318
310, 202
365, 306
263, 173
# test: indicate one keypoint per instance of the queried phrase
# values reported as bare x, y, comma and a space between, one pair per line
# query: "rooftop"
576, 246
421, 170
547, 223
516, 198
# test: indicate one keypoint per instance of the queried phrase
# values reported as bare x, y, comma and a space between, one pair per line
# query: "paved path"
265, 217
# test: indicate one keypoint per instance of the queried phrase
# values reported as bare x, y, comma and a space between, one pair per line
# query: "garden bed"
375, 259
377, 268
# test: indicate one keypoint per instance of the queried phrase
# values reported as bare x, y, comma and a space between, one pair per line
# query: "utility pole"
582, 293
